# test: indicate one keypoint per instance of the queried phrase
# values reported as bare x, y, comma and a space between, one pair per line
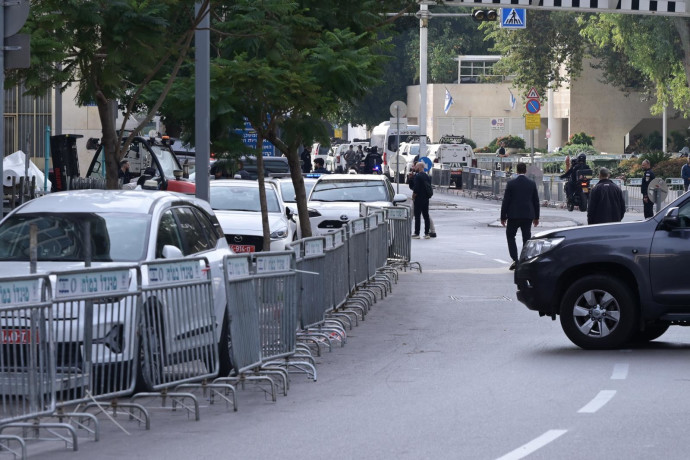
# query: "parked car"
286, 189
404, 161
611, 284
335, 199
236, 204
339, 165
127, 227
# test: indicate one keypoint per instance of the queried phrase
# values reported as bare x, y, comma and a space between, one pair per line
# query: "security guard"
648, 176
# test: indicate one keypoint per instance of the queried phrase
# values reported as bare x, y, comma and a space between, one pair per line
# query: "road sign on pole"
533, 94
513, 18
533, 106
532, 121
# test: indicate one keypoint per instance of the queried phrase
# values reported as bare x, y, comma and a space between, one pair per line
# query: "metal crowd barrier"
178, 323
314, 294
400, 233
95, 322
27, 359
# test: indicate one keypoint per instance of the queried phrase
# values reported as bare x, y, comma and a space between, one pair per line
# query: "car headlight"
539, 246
279, 234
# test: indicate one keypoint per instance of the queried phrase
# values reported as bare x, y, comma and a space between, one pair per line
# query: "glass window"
207, 225
230, 197
167, 160
193, 235
350, 190
684, 214
168, 234
287, 190
115, 237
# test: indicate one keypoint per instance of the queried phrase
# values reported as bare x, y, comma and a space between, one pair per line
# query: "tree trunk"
110, 142
262, 191
297, 181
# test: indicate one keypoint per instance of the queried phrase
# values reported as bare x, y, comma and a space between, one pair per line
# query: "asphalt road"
449, 366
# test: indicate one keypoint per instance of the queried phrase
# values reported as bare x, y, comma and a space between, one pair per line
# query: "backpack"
428, 187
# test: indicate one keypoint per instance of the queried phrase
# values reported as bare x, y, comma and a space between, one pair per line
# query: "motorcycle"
580, 196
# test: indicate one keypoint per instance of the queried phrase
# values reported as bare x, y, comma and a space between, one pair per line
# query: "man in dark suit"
520, 208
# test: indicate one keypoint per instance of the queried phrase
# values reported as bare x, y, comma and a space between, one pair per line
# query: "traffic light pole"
424, 17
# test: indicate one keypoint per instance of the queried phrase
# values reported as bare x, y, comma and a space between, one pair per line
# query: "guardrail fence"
79, 344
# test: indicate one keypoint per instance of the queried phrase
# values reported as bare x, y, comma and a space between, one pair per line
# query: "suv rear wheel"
598, 312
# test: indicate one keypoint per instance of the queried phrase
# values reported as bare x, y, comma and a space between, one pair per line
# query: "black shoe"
432, 234
512, 266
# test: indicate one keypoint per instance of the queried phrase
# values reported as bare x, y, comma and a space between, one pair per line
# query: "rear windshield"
238, 198
115, 237
350, 190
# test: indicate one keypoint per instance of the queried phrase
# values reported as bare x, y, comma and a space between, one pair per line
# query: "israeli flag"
513, 101
449, 102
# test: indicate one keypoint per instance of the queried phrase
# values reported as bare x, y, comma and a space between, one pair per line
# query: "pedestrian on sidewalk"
606, 203
685, 174
647, 177
520, 209
420, 185
432, 227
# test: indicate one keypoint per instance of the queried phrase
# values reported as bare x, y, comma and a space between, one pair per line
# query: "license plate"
17, 336
585, 189
242, 248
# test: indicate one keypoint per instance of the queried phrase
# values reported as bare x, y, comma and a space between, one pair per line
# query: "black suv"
611, 284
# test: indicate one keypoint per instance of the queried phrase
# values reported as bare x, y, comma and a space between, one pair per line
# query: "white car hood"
335, 209
248, 223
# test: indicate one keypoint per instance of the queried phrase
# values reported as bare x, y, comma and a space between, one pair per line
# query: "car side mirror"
288, 212
171, 252
672, 218
399, 198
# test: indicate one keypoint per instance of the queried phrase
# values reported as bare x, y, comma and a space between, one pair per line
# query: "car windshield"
287, 190
350, 190
167, 160
237, 198
115, 237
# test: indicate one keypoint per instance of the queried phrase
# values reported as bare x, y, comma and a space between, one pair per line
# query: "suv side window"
193, 234
167, 234
208, 226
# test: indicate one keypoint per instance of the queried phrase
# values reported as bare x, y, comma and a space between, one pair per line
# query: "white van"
452, 151
403, 162
338, 154
384, 138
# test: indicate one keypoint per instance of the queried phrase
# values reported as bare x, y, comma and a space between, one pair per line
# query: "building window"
478, 69
26, 118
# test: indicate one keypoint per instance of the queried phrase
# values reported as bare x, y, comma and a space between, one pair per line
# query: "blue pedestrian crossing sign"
513, 18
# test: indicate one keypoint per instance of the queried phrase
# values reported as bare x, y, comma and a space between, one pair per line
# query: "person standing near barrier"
420, 183
647, 177
410, 176
520, 209
606, 203
685, 174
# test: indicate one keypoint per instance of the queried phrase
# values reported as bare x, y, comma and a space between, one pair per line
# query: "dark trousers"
648, 208
421, 208
525, 226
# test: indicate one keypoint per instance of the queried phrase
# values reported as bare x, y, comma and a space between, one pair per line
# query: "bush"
669, 168
580, 139
574, 150
654, 157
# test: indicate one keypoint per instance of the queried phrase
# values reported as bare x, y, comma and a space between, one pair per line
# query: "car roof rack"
452, 139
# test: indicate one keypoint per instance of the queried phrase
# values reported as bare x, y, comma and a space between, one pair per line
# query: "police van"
385, 138
456, 154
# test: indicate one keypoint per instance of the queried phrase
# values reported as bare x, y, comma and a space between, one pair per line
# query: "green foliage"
511, 141
580, 138
471, 143
654, 158
678, 140
574, 150
670, 167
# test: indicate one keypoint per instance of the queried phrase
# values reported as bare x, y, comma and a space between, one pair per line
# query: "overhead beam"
658, 7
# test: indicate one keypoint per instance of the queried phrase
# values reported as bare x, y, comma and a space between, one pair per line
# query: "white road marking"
598, 402
620, 371
476, 253
534, 445
501, 261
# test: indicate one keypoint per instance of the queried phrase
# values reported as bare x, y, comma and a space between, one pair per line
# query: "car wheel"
598, 313
651, 332
225, 348
151, 350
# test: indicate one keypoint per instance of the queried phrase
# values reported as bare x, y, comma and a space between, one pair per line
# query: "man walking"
420, 184
648, 176
520, 209
685, 174
606, 203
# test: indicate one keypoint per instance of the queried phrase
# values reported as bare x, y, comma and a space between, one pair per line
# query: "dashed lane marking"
620, 371
534, 445
476, 253
598, 402
501, 261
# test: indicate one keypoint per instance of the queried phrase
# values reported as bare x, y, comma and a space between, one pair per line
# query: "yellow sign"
532, 121
338, 133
